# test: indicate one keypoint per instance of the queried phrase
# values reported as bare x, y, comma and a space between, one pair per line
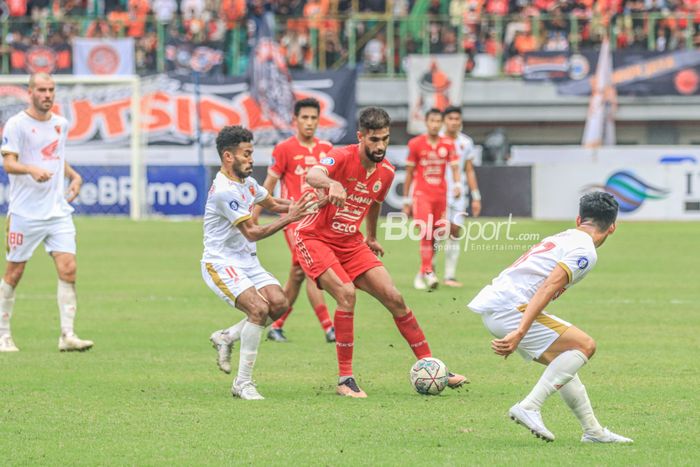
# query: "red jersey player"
333, 252
292, 159
428, 156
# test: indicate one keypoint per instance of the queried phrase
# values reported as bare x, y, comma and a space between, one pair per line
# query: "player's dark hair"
452, 109
431, 111
230, 137
308, 102
374, 118
598, 208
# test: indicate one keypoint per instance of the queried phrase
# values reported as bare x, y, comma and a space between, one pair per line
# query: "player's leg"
315, 296
60, 244
456, 215
22, 238
291, 288
422, 215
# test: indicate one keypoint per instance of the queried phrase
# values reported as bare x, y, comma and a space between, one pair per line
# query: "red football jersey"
290, 162
430, 163
363, 189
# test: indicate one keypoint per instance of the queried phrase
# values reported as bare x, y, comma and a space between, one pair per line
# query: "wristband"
407, 201
476, 195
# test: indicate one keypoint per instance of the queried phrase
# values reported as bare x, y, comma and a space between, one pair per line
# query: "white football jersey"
41, 144
572, 249
464, 147
229, 203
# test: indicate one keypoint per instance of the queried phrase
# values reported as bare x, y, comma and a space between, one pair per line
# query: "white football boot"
7, 344
532, 420
72, 343
223, 351
246, 391
419, 282
605, 436
431, 280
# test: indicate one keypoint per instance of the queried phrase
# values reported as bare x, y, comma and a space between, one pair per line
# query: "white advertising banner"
645, 191
433, 81
629, 155
103, 56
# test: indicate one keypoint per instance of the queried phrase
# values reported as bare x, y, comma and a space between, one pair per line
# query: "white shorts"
456, 210
228, 281
24, 235
544, 330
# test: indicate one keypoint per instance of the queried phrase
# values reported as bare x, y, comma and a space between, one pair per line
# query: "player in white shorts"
512, 309
33, 150
230, 265
457, 207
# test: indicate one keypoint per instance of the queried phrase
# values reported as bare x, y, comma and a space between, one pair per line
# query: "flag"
103, 56
600, 122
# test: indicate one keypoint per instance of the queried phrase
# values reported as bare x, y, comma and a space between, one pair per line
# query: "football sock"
323, 317
250, 341
67, 305
233, 333
559, 372
451, 256
411, 331
279, 324
344, 341
426, 255
7, 303
575, 395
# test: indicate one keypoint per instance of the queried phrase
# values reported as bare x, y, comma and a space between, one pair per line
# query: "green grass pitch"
150, 393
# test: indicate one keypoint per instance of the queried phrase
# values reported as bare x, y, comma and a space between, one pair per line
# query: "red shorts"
289, 234
423, 207
348, 261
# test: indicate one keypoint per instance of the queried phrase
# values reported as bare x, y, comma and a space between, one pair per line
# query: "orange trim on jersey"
10, 153
234, 179
242, 219
568, 271
547, 321
220, 284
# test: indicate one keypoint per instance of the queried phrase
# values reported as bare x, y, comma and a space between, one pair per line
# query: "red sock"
344, 341
426, 255
323, 317
411, 331
279, 324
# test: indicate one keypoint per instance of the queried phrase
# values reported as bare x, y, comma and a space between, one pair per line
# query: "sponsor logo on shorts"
582, 262
234, 205
328, 161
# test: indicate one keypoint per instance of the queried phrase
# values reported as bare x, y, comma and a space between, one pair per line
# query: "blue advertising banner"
171, 190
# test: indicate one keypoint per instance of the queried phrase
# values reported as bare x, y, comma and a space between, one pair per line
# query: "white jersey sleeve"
230, 205
577, 262
11, 137
261, 192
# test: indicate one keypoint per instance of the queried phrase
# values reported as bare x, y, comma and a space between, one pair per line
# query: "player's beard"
373, 157
241, 173
41, 105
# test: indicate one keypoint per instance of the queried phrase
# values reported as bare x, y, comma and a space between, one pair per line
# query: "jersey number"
536, 249
15, 239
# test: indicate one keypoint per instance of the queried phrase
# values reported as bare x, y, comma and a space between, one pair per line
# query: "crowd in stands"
317, 33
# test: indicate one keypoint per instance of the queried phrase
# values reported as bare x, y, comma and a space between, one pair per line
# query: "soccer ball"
429, 376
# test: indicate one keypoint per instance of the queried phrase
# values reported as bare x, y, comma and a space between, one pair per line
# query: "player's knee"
394, 300
346, 297
588, 346
278, 305
297, 274
258, 312
13, 277
67, 270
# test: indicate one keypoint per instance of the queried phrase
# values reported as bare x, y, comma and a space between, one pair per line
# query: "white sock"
67, 305
7, 304
250, 341
559, 372
451, 256
575, 395
233, 333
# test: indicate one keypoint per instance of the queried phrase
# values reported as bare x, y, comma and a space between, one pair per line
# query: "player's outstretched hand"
40, 175
376, 248
337, 194
74, 189
507, 345
307, 204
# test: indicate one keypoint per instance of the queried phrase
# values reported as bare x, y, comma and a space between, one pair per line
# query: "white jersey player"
33, 150
457, 207
512, 309
230, 264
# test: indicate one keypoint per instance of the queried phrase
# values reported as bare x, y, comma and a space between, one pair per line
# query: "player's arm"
407, 189
12, 165
371, 223
473, 187
456, 180
276, 205
318, 178
269, 184
76, 181
254, 232
556, 281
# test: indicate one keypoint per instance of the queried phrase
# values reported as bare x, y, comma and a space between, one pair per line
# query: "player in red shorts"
332, 250
428, 157
291, 159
